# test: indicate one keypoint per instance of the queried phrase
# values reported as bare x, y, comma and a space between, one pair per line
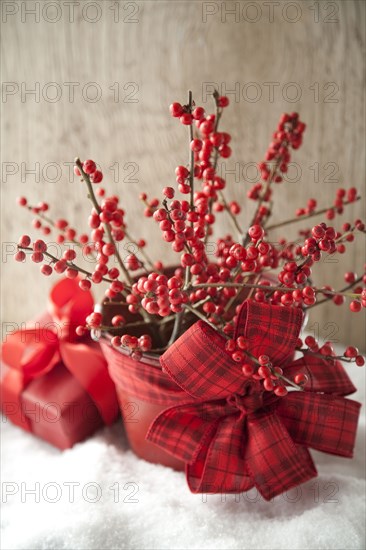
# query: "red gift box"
53, 383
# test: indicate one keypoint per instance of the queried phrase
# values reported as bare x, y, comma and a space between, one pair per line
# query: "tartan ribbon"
231, 434
34, 351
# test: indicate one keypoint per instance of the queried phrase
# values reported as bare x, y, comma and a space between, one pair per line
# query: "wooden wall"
104, 74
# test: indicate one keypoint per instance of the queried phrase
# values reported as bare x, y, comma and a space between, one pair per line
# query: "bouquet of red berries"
152, 312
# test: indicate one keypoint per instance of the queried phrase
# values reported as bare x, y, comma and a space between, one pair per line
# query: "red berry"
280, 391
310, 342
168, 192
108, 249
81, 331
116, 341
255, 232
181, 172
237, 356
37, 257
350, 277
198, 113
46, 269
355, 306
60, 266
39, 246
264, 372
360, 361
71, 273
318, 231
22, 201
69, 255
118, 320
176, 109
94, 320
338, 299
89, 167
351, 351
300, 379
36, 224
132, 262
268, 384
247, 369
196, 145
225, 151
85, 284
113, 273
241, 342
235, 208
96, 177
186, 119
24, 241
223, 101
20, 256
125, 340
230, 346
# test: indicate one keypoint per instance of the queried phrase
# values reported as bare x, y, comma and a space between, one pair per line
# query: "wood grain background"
308, 54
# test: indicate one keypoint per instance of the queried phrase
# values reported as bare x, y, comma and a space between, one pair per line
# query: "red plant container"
138, 414
143, 389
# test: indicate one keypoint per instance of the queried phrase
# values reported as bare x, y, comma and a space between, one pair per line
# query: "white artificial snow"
327, 512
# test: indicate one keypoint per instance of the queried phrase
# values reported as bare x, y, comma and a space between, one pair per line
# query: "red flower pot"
143, 389
133, 381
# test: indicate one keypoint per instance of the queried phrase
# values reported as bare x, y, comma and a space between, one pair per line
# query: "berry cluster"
343, 198
209, 285
90, 168
288, 135
261, 369
350, 354
158, 294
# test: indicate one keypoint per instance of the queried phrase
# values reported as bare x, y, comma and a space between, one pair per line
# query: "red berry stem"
142, 251
191, 153
220, 192
262, 197
64, 230
335, 293
92, 197
313, 214
200, 315
191, 184
68, 263
179, 316
307, 351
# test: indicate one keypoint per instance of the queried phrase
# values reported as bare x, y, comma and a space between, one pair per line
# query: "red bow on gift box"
51, 344
235, 436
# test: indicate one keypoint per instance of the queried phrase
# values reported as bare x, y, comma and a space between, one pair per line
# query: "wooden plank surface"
270, 57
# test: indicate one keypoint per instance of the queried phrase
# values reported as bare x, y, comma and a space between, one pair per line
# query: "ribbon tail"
323, 422
87, 364
275, 462
221, 468
183, 430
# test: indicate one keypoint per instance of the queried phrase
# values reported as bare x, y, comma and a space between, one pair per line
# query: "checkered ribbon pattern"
230, 433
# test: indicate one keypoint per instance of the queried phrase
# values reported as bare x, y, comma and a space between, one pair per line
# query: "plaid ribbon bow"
232, 435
